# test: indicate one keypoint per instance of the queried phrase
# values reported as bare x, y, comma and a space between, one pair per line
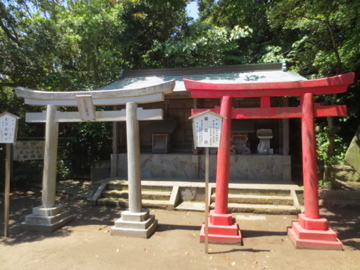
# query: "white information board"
207, 129
8, 128
29, 150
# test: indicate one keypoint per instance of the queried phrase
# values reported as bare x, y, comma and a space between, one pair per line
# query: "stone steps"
120, 202
115, 194
187, 196
260, 199
260, 191
263, 209
146, 194
270, 200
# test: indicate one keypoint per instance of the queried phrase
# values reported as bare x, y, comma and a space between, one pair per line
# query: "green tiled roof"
225, 74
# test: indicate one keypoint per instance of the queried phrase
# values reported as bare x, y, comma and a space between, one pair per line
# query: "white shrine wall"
189, 167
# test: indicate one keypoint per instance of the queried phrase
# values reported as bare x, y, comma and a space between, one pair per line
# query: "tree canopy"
62, 45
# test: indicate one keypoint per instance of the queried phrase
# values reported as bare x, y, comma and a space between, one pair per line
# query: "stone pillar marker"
48, 216
134, 222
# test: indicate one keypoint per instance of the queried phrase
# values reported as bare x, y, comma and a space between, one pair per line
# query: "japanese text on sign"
29, 150
7, 129
207, 130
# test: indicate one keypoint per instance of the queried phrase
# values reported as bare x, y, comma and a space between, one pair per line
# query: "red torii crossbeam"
310, 231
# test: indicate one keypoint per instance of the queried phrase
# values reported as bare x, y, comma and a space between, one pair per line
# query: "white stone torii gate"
49, 216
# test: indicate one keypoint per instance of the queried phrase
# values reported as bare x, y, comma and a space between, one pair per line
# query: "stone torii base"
135, 224
47, 219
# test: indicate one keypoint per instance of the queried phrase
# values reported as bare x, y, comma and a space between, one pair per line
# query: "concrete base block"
47, 219
319, 236
141, 224
135, 217
222, 229
233, 238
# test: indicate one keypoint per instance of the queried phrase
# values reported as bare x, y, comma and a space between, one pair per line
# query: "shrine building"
260, 148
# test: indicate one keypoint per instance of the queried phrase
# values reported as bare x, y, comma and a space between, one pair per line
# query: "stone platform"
47, 219
141, 224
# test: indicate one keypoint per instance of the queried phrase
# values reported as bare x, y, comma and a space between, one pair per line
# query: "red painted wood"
307, 111
223, 159
335, 84
279, 112
311, 201
265, 102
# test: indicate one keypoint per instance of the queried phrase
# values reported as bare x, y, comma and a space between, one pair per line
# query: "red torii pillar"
310, 231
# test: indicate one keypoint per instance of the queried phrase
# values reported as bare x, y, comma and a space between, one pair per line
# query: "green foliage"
147, 24
327, 30
322, 144
84, 44
204, 46
325, 184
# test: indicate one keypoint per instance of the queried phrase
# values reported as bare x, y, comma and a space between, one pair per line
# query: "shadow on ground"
346, 222
21, 204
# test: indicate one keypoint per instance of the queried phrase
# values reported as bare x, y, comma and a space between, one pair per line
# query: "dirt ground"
86, 243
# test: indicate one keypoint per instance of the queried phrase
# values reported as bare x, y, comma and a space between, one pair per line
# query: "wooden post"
206, 200
7, 190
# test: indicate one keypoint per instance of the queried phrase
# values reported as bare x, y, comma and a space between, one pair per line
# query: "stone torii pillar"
49, 216
135, 221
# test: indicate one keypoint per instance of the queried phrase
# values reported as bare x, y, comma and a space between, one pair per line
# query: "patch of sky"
192, 10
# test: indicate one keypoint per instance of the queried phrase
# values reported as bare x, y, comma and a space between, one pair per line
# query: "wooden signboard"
8, 127
207, 129
207, 132
8, 132
29, 150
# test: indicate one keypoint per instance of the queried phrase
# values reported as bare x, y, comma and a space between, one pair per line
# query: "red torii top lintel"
265, 90
330, 85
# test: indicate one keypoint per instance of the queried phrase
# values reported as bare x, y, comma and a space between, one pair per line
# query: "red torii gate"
310, 231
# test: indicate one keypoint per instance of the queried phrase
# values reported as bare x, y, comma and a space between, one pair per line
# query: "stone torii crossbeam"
310, 231
49, 216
